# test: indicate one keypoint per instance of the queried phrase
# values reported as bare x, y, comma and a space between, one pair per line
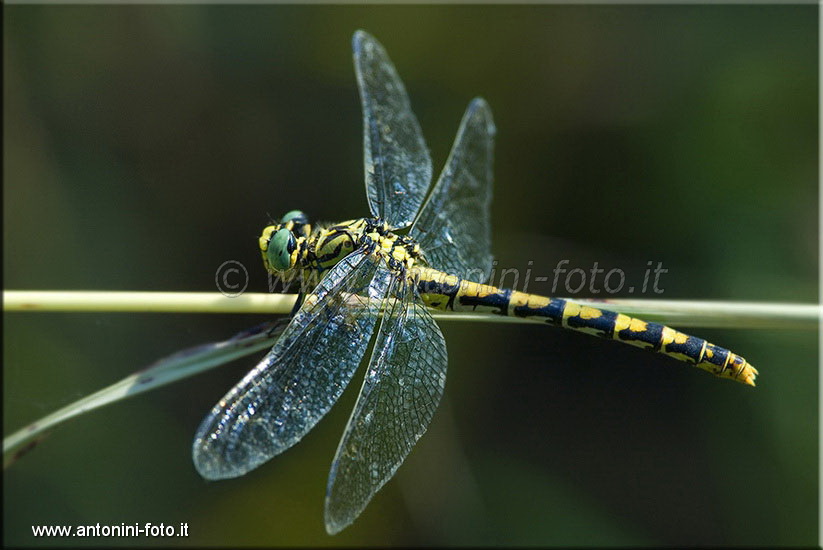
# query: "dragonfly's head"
281, 243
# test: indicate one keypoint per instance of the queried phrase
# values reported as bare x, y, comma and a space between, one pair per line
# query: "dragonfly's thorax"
295, 246
331, 244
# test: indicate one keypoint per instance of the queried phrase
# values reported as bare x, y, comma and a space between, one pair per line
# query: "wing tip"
338, 519
479, 102
207, 463
480, 107
335, 522
360, 39
359, 36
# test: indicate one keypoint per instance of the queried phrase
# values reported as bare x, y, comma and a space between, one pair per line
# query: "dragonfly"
384, 274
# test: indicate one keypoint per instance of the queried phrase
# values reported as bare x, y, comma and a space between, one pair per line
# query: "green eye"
297, 216
280, 248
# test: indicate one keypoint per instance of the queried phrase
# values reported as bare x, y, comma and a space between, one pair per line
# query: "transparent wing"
403, 385
397, 163
454, 226
284, 396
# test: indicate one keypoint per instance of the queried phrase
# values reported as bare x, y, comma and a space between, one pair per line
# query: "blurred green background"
146, 145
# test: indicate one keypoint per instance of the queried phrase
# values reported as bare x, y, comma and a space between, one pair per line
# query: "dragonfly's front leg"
277, 327
301, 296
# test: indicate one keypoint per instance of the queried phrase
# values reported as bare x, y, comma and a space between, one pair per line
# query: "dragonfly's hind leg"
278, 326
297, 303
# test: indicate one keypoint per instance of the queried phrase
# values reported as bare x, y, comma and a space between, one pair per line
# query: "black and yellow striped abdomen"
449, 292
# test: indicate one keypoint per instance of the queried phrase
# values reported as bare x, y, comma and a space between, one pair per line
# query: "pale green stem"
682, 313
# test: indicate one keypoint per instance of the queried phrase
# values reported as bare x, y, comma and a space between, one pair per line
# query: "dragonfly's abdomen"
448, 292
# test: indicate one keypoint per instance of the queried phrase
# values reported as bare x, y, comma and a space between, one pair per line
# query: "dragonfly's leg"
297, 303
274, 328
280, 324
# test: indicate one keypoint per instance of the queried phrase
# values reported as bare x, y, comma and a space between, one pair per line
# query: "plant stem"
676, 312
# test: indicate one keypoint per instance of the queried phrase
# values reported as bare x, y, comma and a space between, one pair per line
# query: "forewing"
454, 226
403, 385
284, 396
397, 162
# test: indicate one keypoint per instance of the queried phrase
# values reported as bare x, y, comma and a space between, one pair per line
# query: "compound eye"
296, 216
281, 245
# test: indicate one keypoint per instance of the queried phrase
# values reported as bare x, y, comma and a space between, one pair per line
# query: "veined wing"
403, 385
284, 396
454, 226
397, 162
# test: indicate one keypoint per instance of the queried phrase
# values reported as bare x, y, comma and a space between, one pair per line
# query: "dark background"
146, 145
